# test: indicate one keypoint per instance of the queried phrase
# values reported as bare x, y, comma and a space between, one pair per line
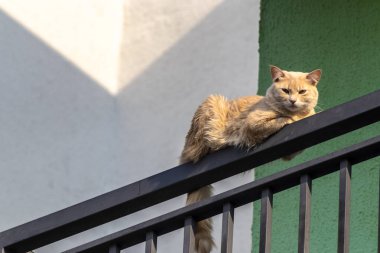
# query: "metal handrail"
237, 197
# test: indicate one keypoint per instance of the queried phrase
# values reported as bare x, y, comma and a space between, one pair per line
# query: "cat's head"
293, 92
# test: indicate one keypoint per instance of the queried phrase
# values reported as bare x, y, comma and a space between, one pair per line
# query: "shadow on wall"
218, 56
56, 123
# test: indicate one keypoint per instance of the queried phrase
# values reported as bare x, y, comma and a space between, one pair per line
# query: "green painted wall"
343, 39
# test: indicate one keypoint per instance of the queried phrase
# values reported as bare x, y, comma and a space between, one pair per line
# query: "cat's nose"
293, 101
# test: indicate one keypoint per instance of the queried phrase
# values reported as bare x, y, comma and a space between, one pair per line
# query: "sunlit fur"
246, 122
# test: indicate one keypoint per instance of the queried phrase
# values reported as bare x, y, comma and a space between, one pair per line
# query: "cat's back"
230, 107
244, 103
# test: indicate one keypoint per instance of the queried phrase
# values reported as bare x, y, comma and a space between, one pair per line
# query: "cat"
246, 122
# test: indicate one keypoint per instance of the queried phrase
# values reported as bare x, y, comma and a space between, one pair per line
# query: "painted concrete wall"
86, 32
342, 38
99, 94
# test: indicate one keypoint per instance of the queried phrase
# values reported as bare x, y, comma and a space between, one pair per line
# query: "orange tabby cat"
246, 122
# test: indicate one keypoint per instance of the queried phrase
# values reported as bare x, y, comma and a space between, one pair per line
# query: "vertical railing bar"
266, 221
114, 249
189, 238
151, 242
344, 206
304, 215
227, 228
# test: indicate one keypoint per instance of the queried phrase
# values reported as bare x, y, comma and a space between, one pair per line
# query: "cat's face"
294, 91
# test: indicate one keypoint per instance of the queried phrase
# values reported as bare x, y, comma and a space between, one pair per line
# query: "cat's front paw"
286, 120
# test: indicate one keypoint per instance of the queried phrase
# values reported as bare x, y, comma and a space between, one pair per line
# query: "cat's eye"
302, 92
276, 80
286, 91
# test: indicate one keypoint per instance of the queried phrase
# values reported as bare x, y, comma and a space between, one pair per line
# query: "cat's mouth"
296, 107
293, 107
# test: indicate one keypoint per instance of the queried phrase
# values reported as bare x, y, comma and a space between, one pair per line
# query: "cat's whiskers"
318, 108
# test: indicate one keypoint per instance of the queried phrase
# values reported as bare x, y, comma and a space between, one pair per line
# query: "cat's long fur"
245, 122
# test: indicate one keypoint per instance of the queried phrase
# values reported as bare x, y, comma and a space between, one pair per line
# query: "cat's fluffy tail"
203, 238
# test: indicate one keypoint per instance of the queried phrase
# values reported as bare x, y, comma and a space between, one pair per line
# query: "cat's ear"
314, 76
276, 73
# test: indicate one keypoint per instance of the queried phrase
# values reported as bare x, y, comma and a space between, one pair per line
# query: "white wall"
99, 94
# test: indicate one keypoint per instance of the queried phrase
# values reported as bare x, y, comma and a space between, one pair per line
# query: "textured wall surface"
96, 95
342, 38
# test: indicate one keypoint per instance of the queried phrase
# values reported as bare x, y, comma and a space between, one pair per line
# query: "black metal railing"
217, 166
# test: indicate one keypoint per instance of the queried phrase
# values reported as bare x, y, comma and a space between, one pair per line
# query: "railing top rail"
237, 197
184, 178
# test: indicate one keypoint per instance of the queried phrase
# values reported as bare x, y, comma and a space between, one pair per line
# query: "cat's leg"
259, 128
268, 126
274, 126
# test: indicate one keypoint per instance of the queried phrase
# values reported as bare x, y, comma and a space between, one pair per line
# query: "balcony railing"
217, 166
